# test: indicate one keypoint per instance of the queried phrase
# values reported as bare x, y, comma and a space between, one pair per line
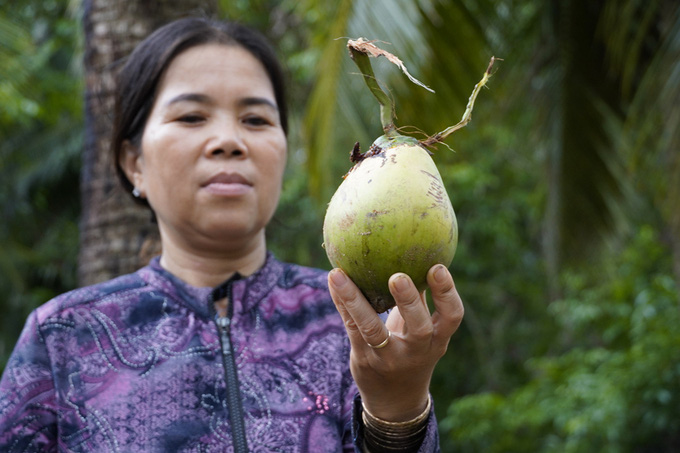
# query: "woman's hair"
137, 82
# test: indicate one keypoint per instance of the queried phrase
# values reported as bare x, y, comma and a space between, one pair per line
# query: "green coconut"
392, 212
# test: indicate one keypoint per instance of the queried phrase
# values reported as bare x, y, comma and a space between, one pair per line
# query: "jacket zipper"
236, 414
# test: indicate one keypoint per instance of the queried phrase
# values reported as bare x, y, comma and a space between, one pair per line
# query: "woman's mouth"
228, 185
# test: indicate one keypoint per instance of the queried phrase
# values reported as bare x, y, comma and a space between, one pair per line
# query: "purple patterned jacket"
142, 364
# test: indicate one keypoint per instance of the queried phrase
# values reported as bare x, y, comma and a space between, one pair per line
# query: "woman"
216, 345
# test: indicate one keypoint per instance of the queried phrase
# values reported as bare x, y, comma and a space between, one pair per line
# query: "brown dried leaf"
367, 47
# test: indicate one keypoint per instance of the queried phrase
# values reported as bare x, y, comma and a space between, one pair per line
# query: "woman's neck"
209, 268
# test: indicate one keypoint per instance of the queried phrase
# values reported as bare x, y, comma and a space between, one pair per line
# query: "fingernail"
338, 277
440, 273
400, 283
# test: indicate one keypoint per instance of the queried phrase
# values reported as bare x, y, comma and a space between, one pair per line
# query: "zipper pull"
223, 324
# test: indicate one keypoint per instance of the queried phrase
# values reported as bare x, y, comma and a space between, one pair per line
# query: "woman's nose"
234, 152
227, 142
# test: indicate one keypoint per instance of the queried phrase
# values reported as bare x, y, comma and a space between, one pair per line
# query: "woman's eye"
257, 121
190, 119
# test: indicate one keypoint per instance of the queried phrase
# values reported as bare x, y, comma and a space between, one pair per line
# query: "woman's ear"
132, 163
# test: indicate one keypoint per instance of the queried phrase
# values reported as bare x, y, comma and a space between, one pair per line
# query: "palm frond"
651, 131
585, 110
319, 123
15, 45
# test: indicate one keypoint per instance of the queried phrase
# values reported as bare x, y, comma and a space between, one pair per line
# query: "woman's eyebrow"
258, 101
191, 97
205, 99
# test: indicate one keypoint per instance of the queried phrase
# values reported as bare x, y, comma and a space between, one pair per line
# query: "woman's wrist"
385, 436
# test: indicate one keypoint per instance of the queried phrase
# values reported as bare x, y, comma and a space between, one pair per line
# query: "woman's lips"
228, 184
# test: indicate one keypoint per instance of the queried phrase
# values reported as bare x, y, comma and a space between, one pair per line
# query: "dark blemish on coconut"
374, 150
347, 221
436, 191
356, 155
365, 249
375, 213
430, 174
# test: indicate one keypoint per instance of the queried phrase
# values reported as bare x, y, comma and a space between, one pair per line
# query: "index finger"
368, 328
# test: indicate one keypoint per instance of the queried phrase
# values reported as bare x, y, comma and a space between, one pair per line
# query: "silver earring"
136, 193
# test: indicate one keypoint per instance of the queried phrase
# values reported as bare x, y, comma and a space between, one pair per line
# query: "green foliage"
494, 181
40, 138
13, 74
580, 112
612, 382
295, 232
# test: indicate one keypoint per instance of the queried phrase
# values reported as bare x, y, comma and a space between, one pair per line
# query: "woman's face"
213, 150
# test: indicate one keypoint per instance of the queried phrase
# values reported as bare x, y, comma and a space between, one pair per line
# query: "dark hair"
138, 80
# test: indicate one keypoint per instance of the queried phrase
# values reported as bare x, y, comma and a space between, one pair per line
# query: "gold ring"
383, 344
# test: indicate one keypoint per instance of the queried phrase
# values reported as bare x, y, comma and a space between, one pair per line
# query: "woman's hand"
394, 380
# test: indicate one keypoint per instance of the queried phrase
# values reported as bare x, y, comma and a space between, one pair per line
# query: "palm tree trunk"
116, 235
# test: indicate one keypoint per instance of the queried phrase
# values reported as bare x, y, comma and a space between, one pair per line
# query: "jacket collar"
247, 291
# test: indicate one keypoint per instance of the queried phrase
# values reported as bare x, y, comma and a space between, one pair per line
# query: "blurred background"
566, 185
